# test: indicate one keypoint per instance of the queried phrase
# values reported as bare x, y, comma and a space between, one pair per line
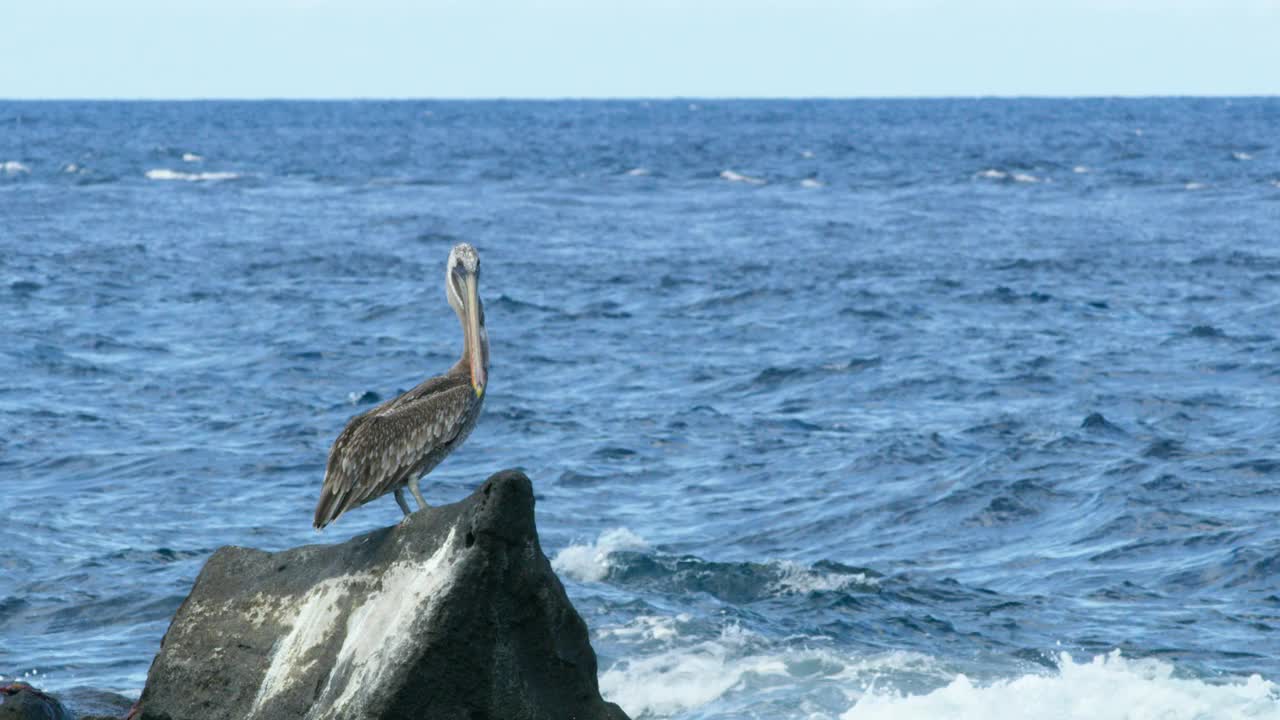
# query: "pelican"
393, 445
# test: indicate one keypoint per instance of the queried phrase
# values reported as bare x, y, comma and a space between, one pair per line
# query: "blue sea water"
865, 409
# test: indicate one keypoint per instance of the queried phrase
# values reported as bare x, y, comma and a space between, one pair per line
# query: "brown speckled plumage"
391, 446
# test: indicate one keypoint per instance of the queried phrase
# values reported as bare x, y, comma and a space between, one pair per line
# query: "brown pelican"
393, 445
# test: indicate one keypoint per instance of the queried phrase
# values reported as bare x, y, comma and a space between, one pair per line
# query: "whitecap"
13, 167
1080, 169
1025, 178
1193, 186
806, 154
799, 579
638, 172
993, 174
590, 562
166, 174
191, 157
732, 176
1241, 156
1276, 183
647, 627
811, 183
1108, 687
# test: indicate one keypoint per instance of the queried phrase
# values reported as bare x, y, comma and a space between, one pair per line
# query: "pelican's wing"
376, 450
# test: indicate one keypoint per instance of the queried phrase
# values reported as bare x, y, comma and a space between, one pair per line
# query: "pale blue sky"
635, 48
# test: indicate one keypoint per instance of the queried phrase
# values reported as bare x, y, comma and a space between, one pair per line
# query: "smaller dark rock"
1207, 331
20, 701
1095, 421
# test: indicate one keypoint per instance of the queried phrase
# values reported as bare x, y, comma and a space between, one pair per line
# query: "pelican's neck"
470, 346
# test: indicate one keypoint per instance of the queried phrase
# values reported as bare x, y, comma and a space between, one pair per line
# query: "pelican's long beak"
471, 309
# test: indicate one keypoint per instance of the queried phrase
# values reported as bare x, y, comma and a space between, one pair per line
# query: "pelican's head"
462, 281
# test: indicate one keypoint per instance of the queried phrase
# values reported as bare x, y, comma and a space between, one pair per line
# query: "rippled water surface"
834, 409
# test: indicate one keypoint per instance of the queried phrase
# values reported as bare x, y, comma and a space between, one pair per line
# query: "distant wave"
1194, 186
802, 579
13, 167
1241, 156
732, 176
811, 183
166, 174
191, 157
638, 172
994, 174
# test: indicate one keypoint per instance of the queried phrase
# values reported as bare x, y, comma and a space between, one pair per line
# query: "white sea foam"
806, 154
1108, 687
166, 174
638, 172
688, 677
740, 673
1193, 186
590, 562
1241, 156
810, 183
667, 673
13, 167
1025, 178
993, 174
732, 176
1080, 169
191, 157
1276, 183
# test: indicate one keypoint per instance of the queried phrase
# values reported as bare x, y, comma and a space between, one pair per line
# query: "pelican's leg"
417, 494
400, 500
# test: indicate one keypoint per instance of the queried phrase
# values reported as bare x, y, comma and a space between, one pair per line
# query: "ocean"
833, 409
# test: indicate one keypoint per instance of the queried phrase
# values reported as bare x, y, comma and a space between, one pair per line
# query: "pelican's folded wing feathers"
378, 450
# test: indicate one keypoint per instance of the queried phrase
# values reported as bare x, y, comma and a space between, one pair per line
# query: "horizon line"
647, 98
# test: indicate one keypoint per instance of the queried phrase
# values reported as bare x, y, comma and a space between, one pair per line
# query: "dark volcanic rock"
455, 613
20, 701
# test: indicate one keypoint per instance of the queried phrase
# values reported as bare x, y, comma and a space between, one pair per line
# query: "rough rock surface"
455, 613
20, 701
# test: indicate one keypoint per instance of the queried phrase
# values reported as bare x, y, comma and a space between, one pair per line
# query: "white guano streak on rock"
376, 631
313, 619
381, 630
